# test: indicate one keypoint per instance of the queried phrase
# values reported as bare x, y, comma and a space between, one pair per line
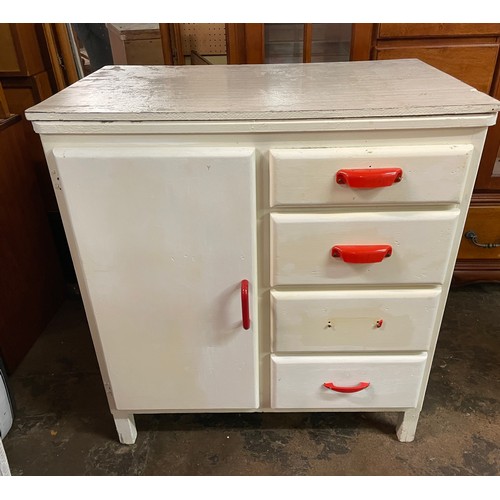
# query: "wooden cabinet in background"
25, 77
20, 54
31, 279
31, 284
21, 93
468, 52
4, 107
426, 30
472, 63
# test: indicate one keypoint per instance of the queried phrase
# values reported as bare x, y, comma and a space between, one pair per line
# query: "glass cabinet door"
303, 42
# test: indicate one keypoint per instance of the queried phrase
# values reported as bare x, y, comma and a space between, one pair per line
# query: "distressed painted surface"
431, 174
252, 92
395, 381
347, 320
190, 371
301, 247
167, 301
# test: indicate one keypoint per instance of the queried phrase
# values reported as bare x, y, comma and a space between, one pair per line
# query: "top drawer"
430, 174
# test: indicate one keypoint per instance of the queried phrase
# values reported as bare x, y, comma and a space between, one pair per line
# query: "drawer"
430, 174
425, 30
484, 222
473, 64
301, 247
353, 320
394, 381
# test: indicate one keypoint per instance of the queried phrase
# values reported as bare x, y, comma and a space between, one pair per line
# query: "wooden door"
163, 239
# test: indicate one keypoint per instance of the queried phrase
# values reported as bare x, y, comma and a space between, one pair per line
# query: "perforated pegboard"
205, 38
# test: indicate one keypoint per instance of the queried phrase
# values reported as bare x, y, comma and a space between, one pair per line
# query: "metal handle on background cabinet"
369, 178
245, 307
362, 254
471, 235
355, 388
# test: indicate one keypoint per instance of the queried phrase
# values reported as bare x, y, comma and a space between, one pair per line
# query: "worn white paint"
264, 92
125, 426
301, 246
164, 238
431, 174
113, 131
211, 128
395, 380
4, 463
407, 425
347, 320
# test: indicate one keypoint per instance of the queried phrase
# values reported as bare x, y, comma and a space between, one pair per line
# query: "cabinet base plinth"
407, 425
125, 426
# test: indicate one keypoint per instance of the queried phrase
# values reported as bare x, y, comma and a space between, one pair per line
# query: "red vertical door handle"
245, 307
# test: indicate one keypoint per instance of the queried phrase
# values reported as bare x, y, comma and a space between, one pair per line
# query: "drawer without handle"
416, 247
433, 174
353, 320
391, 381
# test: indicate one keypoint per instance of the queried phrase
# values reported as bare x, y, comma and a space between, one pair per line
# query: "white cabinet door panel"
164, 237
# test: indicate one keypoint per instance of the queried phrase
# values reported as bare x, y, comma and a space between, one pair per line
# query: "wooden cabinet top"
393, 88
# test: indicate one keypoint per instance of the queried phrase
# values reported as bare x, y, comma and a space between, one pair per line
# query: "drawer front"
430, 174
425, 30
301, 247
484, 222
473, 64
395, 381
353, 320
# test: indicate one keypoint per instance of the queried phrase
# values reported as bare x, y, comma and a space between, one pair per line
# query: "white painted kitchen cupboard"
265, 237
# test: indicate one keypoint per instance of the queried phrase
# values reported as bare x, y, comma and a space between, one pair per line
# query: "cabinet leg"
125, 425
407, 425
4, 464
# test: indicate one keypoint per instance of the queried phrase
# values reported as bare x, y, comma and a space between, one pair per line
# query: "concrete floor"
63, 425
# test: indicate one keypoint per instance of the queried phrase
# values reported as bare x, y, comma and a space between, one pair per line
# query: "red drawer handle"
355, 388
362, 254
245, 308
369, 178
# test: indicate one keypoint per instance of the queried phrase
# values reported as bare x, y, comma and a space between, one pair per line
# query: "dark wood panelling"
31, 284
22, 93
476, 271
362, 41
254, 42
20, 53
473, 64
421, 30
4, 107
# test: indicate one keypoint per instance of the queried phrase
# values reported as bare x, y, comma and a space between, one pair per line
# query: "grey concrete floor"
63, 425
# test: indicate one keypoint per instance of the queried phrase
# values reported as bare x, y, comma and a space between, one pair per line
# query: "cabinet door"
163, 239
